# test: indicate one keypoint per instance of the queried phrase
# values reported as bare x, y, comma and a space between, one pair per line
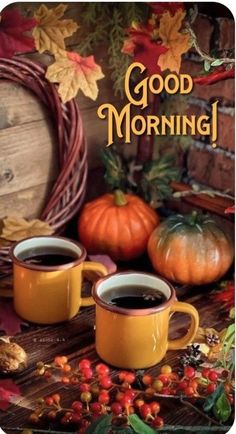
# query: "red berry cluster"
97, 395
192, 383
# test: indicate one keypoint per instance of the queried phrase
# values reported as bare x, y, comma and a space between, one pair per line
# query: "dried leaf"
10, 322
50, 32
16, 229
12, 33
8, 390
176, 42
74, 73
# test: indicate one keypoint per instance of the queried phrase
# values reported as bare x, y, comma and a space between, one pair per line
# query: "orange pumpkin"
190, 249
117, 224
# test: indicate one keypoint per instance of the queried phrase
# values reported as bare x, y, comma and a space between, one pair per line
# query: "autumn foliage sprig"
49, 30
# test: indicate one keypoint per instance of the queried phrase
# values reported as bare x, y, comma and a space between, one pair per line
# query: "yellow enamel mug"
137, 338
47, 294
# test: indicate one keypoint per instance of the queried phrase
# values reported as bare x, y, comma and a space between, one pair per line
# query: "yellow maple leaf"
73, 73
50, 32
176, 42
16, 229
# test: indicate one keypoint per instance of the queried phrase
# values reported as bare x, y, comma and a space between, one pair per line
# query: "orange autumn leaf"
73, 73
176, 42
50, 31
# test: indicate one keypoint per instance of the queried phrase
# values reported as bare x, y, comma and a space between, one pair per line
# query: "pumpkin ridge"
143, 218
94, 222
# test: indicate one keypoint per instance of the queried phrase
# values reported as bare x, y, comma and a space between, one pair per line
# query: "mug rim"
46, 268
133, 312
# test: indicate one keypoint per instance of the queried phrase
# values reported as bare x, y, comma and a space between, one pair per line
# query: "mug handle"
178, 344
97, 268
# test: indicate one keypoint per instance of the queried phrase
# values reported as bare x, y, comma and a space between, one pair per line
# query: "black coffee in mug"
133, 297
48, 256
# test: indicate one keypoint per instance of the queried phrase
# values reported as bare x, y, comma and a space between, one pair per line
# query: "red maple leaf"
10, 322
12, 37
144, 48
8, 390
159, 8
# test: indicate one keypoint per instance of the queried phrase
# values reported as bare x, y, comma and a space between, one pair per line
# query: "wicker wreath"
68, 191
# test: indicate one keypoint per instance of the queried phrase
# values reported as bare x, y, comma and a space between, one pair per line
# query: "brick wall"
206, 165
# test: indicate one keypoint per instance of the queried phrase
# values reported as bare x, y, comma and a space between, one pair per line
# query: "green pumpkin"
192, 249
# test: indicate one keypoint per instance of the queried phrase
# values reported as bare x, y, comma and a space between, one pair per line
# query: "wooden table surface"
76, 340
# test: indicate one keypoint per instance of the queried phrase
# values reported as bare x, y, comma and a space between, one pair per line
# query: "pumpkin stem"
193, 218
119, 198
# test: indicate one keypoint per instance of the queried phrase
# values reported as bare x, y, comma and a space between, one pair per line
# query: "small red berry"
74, 381
155, 407
104, 397
138, 403
56, 398
126, 401
147, 380
84, 387
131, 393
205, 372
189, 391
65, 380
105, 382
158, 422
95, 407
102, 369
119, 396
189, 372
77, 406
87, 373
66, 368
165, 379
166, 391
145, 411
130, 377
116, 408
47, 374
76, 418
213, 376
224, 373
49, 400
182, 385
211, 388
84, 363
60, 361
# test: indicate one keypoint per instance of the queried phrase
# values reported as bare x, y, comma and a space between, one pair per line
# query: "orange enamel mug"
137, 338
50, 294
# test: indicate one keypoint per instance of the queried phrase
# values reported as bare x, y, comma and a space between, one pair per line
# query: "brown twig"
202, 413
201, 53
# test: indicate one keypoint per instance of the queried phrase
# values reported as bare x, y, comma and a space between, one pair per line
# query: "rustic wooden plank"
19, 106
76, 340
28, 156
27, 203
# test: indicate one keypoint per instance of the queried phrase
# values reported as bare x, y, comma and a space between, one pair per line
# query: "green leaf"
139, 426
100, 426
222, 408
207, 65
217, 62
210, 401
